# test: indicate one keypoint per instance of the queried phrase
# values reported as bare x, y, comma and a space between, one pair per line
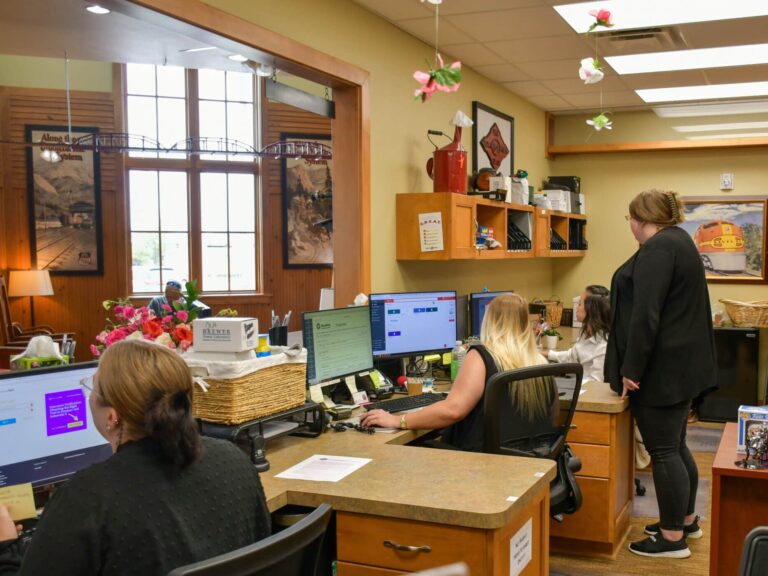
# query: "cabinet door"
463, 225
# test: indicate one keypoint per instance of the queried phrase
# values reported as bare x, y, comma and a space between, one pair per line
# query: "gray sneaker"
658, 546
692, 530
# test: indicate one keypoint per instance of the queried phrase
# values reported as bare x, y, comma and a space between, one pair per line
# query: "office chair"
507, 431
754, 555
293, 552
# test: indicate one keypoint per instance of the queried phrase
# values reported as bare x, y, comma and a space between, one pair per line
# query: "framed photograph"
307, 196
64, 202
729, 233
493, 140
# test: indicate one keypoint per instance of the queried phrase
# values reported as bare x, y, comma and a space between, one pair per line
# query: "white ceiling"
526, 46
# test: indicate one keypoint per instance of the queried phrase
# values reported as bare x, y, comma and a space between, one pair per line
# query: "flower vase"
551, 342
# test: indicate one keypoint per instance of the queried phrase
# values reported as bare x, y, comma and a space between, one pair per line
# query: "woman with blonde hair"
507, 342
164, 499
661, 354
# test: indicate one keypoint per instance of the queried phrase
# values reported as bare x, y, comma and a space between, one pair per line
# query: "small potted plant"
551, 336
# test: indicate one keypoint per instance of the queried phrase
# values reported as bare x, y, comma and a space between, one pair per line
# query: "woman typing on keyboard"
165, 498
507, 342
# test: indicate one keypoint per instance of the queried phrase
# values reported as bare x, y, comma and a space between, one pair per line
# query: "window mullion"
195, 233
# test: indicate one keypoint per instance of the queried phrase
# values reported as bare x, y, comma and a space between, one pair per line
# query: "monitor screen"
338, 343
412, 323
46, 430
477, 304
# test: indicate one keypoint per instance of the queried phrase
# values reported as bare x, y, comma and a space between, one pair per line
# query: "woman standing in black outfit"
661, 354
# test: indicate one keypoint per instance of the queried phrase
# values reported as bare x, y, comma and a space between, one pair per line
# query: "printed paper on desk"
323, 468
431, 231
19, 500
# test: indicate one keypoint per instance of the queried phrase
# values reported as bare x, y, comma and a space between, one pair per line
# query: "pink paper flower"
442, 79
602, 18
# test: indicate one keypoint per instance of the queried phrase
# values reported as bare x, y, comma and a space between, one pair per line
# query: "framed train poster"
64, 202
729, 233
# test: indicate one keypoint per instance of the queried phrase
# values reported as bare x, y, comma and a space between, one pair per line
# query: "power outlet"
726, 181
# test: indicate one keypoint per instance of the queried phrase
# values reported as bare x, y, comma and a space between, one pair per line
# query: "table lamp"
30, 283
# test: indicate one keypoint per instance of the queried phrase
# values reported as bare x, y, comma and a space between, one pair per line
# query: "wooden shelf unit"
567, 226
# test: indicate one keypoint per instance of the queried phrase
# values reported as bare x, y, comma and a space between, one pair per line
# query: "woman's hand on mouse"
380, 418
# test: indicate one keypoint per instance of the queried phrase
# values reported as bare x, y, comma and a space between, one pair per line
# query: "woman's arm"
466, 392
563, 356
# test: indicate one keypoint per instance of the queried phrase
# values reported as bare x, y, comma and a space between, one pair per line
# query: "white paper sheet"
324, 468
431, 231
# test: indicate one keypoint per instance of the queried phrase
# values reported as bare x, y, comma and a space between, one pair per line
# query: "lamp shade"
30, 283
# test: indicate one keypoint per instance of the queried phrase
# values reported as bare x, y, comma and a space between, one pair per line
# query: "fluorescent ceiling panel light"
237, 58
721, 127
96, 9
719, 109
628, 14
689, 59
201, 49
705, 92
719, 136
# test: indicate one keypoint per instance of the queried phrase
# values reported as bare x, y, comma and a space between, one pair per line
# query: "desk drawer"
349, 569
360, 540
593, 520
590, 428
595, 459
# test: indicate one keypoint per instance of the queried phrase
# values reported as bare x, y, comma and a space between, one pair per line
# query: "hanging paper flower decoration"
590, 71
601, 121
442, 79
602, 18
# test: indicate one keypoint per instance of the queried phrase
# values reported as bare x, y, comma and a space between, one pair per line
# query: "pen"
287, 318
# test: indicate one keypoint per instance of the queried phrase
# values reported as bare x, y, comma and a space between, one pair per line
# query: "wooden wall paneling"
5, 176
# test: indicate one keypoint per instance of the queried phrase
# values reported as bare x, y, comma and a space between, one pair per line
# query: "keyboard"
408, 402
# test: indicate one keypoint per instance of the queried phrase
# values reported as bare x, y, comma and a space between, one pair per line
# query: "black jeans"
675, 475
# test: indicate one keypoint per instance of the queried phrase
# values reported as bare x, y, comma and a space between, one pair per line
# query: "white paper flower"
590, 71
600, 121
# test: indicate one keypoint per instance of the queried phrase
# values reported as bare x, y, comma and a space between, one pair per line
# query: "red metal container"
448, 166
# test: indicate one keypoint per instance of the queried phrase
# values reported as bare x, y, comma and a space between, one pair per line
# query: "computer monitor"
412, 323
46, 429
477, 304
338, 343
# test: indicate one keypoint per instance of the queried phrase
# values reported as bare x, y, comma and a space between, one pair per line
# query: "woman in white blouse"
594, 312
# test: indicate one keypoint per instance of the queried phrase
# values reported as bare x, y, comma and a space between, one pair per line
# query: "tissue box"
24, 363
750, 416
225, 334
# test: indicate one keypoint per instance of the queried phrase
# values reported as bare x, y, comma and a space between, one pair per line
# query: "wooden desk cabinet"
605, 444
739, 503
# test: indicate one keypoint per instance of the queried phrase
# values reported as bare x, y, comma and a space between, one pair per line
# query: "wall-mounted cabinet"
443, 226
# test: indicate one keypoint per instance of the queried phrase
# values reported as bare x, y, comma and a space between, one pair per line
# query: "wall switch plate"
726, 181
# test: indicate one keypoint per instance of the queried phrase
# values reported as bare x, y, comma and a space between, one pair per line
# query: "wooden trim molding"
656, 146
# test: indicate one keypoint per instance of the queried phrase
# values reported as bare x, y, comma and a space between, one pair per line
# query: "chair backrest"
293, 552
508, 431
754, 555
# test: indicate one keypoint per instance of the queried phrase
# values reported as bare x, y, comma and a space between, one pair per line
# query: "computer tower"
737, 374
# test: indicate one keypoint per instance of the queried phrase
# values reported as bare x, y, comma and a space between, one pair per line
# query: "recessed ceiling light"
719, 109
201, 49
704, 92
237, 58
721, 127
629, 14
719, 136
689, 59
96, 9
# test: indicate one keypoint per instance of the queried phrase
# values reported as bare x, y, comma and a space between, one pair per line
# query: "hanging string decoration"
591, 71
440, 78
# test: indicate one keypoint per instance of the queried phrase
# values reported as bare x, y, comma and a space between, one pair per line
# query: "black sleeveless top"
468, 434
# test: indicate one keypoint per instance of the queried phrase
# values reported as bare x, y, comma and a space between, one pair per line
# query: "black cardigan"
132, 515
661, 333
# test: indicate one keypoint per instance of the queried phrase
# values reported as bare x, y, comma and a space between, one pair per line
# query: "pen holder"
278, 336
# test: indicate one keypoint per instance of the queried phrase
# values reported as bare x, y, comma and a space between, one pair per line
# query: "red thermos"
448, 166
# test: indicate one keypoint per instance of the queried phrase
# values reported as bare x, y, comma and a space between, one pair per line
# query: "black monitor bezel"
415, 352
472, 297
335, 378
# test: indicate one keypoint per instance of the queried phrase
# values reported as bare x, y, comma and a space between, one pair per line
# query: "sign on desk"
521, 548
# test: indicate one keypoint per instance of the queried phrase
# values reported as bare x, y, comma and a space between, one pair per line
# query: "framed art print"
493, 140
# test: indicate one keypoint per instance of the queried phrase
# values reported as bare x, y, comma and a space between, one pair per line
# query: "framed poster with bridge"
729, 233
64, 201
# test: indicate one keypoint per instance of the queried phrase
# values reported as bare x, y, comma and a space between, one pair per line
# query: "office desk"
739, 503
455, 502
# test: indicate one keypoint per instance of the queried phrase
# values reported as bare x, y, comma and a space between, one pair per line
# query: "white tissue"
461, 119
40, 347
361, 300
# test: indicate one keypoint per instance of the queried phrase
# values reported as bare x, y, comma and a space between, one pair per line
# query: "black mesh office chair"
509, 432
754, 555
293, 552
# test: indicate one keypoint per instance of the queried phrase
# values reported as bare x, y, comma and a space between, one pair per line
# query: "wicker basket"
255, 395
747, 314
554, 310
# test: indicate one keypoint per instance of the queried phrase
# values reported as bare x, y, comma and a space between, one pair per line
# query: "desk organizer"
235, 392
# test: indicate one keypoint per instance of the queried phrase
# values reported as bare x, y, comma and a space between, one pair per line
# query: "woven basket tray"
255, 395
747, 314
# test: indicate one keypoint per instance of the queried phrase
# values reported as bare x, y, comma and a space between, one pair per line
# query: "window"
192, 216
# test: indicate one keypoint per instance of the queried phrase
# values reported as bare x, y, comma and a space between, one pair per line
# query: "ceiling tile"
546, 102
523, 23
542, 49
726, 32
551, 70
424, 28
528, 88
736, 74
575, 85
483, 6
665, 79
502, 72
610, 100
473, 55
397, 9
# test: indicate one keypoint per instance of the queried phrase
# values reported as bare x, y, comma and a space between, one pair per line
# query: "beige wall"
399, 145
34, 72
610, 181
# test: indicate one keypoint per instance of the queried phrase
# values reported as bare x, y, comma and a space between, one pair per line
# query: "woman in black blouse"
661, 354
166, 498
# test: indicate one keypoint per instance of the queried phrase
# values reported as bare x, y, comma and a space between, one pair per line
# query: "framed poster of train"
729, 233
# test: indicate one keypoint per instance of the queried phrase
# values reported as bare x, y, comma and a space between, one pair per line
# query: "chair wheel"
639, 488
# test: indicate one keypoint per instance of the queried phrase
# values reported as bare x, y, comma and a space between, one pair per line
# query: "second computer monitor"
338, 343
477, 304
412, 323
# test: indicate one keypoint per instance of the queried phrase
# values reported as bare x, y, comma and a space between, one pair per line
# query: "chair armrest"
24, 340
19, 330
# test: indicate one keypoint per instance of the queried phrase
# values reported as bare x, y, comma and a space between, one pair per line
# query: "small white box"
225, 334
582, 207
750, 416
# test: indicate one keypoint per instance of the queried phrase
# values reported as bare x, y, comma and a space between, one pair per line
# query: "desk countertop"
413, 483
600, 398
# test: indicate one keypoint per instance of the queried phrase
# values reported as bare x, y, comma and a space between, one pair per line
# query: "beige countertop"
413, 483
598, 397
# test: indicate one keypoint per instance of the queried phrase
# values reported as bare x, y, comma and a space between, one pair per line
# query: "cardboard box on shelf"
225, 334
